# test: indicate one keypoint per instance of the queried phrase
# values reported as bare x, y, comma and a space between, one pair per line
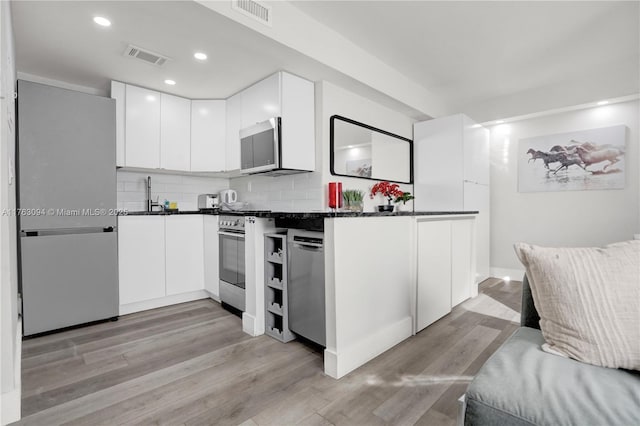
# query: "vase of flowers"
353, 200
402, 201
388, 190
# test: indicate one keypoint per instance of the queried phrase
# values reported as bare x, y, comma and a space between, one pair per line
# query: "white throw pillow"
588, 300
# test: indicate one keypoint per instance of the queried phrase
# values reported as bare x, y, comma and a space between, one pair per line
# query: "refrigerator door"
66, 150
68, 279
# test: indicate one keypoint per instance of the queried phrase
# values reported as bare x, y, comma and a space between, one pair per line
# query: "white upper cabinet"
142, 128
298, 123
293, 99
261, 101
175, 132
234, 124
208, 135
157, 130
118, 92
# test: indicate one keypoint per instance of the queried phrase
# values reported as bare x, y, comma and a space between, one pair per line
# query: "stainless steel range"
232, 265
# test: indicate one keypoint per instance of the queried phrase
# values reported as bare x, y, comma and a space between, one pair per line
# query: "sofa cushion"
587, 299
522, 385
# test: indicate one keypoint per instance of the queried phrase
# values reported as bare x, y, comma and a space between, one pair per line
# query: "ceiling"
487, 59
499, 59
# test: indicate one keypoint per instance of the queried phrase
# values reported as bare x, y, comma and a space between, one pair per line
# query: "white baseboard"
213, 296
11, 402
10, 409
514, 274
344, 360
163, 301
249, 324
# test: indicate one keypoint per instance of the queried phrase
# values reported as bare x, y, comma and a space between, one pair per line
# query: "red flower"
389, 190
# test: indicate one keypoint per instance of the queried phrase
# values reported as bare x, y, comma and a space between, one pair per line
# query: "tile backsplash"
132, 195
297, 192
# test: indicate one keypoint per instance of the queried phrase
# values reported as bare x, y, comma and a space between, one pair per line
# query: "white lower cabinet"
141, 258
445, 267
184, 250
161, 260
434, 272
211, 268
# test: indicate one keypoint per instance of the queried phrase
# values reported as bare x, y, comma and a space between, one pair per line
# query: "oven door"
232, 258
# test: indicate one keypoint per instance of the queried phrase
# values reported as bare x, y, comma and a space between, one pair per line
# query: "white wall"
567, 218
308, 191
132, 189
10, 331
335, 100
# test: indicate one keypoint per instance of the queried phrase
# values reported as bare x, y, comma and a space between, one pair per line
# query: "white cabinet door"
434, 272
208, 136
142, 129
261, 101
118, 92
141, 258
297, 103
211, 271
234, 123
175, 132
184, 253
462, 276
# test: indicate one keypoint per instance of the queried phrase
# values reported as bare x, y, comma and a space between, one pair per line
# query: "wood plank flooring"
191, 364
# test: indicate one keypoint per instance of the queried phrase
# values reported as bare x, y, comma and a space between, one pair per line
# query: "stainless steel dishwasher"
306, 284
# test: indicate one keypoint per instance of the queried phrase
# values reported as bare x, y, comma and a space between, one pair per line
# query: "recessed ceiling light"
603, 102
170, 82
200, 56
103, 22
499, 121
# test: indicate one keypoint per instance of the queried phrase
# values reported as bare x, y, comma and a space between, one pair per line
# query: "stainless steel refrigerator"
66, 202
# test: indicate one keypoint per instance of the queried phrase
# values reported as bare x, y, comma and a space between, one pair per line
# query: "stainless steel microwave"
260, 149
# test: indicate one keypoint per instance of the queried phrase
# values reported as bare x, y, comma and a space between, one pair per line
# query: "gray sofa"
522, 385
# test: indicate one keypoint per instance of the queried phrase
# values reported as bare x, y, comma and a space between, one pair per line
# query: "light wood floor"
191, 364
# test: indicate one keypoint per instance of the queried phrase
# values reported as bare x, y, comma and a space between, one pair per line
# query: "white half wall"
567, 218
369, 289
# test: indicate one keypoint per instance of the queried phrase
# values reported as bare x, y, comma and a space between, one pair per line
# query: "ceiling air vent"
256, 10
145, 55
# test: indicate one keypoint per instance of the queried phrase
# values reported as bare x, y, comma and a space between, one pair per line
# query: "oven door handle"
231, 234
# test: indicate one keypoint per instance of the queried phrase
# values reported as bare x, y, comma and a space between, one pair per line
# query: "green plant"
406, 196
352, 196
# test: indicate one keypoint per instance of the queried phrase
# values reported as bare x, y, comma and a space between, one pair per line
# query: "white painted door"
208, 136
185, 253
234, 123
211, 271
175, 133
141, 258
462, 276
434, 272
261, 101
142, 128
118, 92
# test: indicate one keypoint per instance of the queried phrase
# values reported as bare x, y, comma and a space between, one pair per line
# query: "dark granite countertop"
298, 215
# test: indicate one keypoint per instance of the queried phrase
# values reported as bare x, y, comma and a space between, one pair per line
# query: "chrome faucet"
150, 203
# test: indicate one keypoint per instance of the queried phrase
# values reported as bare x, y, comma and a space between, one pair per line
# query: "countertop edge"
301, 215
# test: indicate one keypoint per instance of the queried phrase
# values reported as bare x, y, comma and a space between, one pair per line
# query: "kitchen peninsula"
387, 275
